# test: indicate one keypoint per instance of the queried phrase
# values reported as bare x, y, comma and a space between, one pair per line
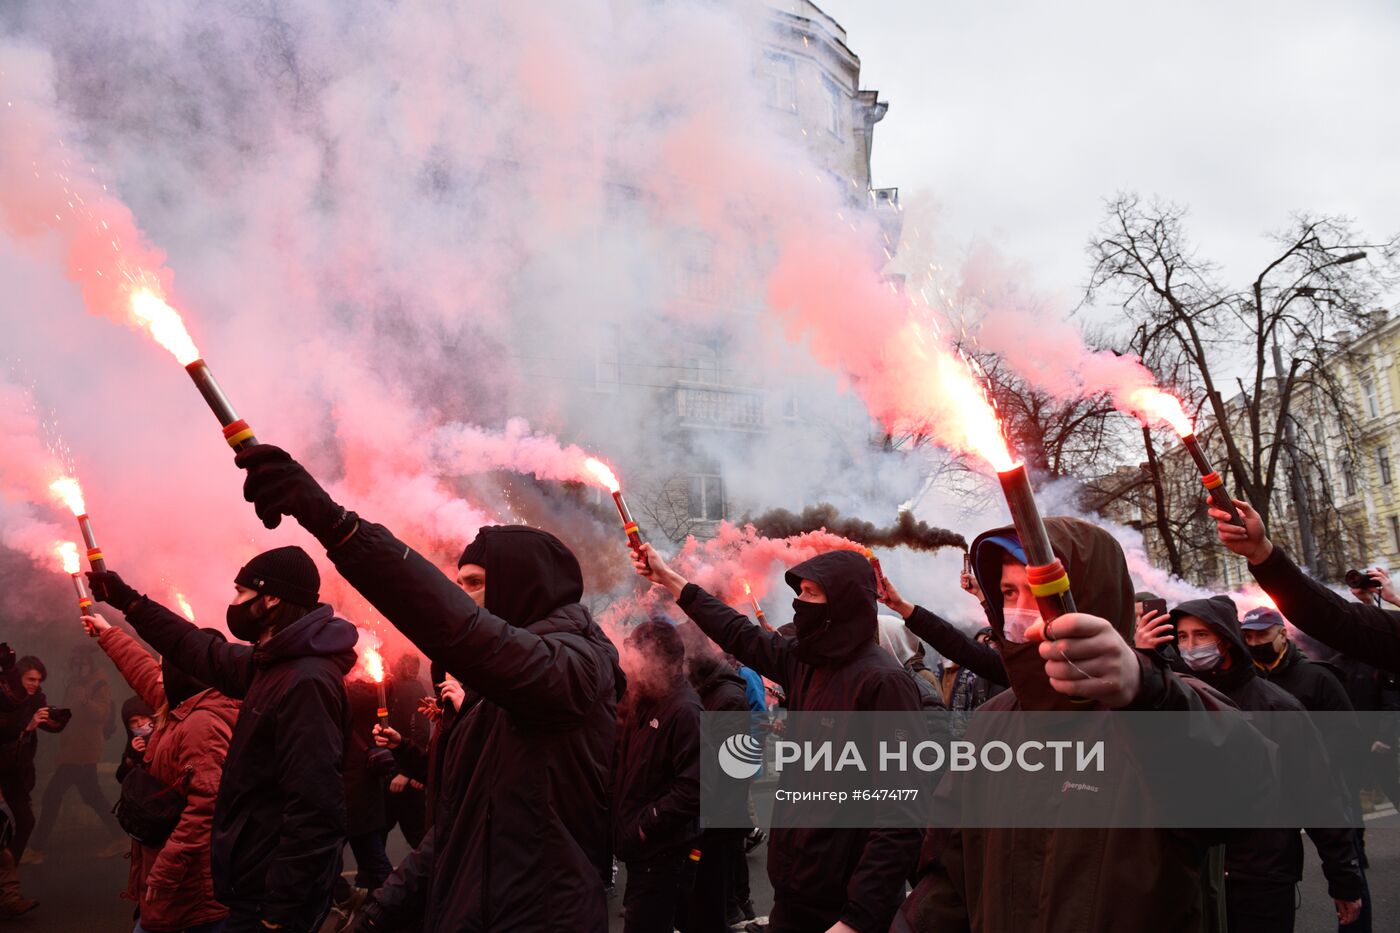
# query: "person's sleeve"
890, 855
201, 757
949, 641
680, 804
766, 652
405, 891
1352, 628
135, 664
1336, 849
412, 761
938, 902
203, 655
552, 682
310, 749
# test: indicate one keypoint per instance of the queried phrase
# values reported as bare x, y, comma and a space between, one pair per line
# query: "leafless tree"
1321, 286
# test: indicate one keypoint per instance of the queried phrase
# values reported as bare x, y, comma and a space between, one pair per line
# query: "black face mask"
813, 624
1265, 654
243, 622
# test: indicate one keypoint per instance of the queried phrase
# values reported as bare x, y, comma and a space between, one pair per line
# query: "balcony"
714, 406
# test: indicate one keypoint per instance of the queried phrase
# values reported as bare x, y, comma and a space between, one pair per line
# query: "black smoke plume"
907, 531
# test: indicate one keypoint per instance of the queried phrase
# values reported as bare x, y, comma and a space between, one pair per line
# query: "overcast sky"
1021, 117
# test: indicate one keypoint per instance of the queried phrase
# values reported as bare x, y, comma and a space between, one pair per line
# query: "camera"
7, 657
59, 717
1361, 581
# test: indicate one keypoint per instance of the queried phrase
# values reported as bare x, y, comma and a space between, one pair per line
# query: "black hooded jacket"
1273, 855
721, 690
520, 838
853, 875
656, 788
279, 820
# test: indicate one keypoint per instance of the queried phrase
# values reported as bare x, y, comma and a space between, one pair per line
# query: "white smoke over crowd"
404, 235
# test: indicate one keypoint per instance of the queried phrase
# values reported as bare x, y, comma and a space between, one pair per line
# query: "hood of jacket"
1098, 580
849, 583
708, 671
529, 572
896, 638
318, 634
1222, 617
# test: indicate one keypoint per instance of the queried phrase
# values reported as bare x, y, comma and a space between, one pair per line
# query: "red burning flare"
601, 474
151, 313
1152, 404
67, 553
67, 490
374, 664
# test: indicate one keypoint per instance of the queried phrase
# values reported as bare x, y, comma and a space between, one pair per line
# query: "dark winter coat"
853, 875
1355, 629
722, 689
279, 822
173, 885
656, 784
17, 747
1274, 855
1066, 880
520, 838
366, 807
1320, 690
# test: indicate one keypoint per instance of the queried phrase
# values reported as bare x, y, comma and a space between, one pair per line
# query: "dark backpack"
149, 809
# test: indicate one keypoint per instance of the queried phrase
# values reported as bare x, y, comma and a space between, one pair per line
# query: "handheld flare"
94, 553
881, 584
1046, 575
1215, 485
236, 430
757, 609
383, 711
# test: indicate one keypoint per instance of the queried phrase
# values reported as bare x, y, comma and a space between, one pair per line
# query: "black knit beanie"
286, 572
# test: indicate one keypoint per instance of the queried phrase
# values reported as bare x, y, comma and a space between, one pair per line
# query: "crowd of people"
544, 755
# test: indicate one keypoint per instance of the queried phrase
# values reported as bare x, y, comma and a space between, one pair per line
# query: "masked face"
1266, 645
1015, 623
247, 615
141, 726
812, 621
472, 579
1201, 657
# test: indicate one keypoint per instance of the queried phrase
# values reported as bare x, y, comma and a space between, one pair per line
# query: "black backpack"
149, 809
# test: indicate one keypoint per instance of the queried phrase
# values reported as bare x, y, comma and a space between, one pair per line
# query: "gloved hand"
112, 590
277, 485
371, 918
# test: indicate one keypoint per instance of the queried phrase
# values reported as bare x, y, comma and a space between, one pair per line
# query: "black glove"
112, 590
371, 918
277, 485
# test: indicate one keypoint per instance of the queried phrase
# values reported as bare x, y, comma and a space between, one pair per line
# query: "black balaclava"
180, 686
829, 633
288, 573
529, 572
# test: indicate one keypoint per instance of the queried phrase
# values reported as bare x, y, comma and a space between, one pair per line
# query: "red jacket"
174, 885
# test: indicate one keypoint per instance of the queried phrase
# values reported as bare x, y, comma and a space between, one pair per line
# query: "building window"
1348, 476
1383, 465
706, 497
1395, 532
1368, 390
780, 72
835, 107
790, 410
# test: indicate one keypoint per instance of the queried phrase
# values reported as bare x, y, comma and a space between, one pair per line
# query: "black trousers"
657, 891
1259, 907
84, 778
15, 789
372, 866
710, 899
409, 810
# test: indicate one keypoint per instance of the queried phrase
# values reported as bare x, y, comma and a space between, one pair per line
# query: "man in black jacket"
519, 838
656, 782
279, 820
715, 903
823, 879
1263, 866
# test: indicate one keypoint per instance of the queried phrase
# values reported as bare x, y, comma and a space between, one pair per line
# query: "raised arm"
946, 638
1352, 628
135, 664
203, 655
766, 652
550, 681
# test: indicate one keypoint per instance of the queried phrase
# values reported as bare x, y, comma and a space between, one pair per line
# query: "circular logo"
741, 756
